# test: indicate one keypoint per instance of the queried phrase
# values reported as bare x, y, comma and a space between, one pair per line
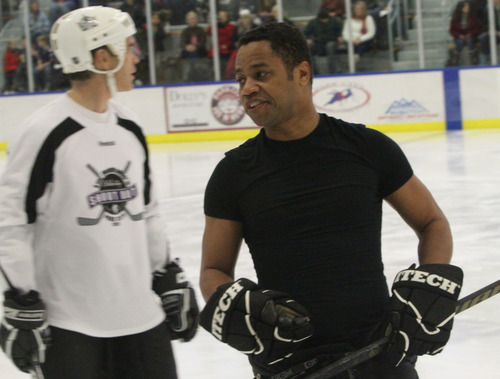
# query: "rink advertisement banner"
415, 98
204, 108
375, 100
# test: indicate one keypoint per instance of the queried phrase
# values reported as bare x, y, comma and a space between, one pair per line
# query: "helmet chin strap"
110, 79
110, 74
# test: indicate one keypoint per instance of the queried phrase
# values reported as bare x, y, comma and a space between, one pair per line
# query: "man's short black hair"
287, 42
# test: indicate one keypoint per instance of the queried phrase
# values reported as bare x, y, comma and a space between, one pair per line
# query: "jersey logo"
113, 192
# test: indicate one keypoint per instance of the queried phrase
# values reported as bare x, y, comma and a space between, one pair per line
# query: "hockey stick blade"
378, 347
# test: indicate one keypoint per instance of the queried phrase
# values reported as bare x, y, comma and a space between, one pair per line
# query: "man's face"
265, 88
125, 75
222, 17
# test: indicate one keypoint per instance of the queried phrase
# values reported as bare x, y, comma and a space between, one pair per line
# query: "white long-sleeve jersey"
79, 220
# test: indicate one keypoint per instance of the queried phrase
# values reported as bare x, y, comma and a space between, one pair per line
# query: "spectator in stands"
374, 9
38, 21
322, 34
335, 8
465, 27
244, 24
44, 60
265, 5
264, 10
363, 30
273, 17
193, 49
230, 6
60, 7
160, 29
225, 32
22, 72
484, 37
11, 64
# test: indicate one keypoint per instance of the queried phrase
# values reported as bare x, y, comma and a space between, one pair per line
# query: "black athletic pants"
146, 355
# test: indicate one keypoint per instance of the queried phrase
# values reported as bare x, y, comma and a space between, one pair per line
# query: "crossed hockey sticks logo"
113, 193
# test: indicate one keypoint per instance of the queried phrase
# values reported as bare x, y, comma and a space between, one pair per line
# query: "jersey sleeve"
221, 193
395, 169
16, 234
158, 244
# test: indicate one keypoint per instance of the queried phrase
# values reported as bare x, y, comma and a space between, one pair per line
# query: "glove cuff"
445, 279
214, 317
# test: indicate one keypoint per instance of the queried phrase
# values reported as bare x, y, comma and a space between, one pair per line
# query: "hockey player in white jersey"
82, 245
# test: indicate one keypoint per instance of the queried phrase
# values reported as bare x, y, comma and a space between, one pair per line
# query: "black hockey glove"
265, 324
422, 308
178, 301
24, 333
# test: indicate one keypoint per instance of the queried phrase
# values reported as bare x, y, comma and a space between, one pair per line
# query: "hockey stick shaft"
36, 372
379, 346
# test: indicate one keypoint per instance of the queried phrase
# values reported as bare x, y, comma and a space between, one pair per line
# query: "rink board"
426, 100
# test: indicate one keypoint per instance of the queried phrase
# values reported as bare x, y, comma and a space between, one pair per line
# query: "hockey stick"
379, 346
36, 372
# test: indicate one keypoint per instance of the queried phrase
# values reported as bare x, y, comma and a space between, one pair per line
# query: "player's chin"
126, 87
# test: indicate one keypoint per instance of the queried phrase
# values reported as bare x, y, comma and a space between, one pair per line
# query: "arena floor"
462, 170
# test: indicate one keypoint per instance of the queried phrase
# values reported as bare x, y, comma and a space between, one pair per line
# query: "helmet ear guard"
76, 34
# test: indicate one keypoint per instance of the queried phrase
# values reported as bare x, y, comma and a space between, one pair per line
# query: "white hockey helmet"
75, 34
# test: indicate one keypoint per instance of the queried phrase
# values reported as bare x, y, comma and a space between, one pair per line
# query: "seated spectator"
273, 17
464, 28
244, 24
230, 6
11, 64
44, 60
38, 21
160, 28
264, 10
60, 7
322, 34
193, 49
363, 29
335, 8
22, 72
374, 9
484, 37
225, 32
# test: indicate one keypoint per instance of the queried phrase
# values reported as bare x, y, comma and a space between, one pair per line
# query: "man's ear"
104, 60
304, 72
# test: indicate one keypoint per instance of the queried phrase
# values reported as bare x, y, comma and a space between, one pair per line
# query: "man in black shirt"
306, 196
